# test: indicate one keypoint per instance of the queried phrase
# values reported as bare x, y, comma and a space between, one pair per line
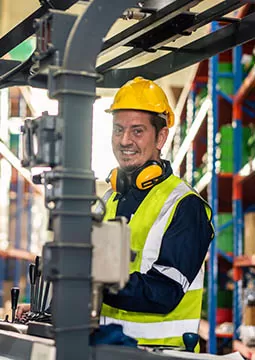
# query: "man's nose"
126, 138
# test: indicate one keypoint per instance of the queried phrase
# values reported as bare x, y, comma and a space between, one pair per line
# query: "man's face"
134, 139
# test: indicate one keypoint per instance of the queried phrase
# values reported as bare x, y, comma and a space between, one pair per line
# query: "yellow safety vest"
148, 226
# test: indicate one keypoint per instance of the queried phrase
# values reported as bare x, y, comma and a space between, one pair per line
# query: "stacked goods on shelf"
249, 233
225, 83
224, 299
224, 294
247, 329
225, 147
225, 281
225, 236
225, 150
224, 306
249, 304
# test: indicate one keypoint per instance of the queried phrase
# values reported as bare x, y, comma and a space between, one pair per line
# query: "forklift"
65, 62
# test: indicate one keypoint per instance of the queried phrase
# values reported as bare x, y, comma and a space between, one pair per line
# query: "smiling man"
170, 223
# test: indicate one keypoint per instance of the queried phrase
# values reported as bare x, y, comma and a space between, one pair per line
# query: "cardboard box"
249, 315
249, 233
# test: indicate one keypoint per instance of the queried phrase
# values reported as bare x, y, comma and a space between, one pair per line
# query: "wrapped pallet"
249, 233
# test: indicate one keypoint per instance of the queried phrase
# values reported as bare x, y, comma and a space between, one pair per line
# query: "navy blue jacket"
184, 247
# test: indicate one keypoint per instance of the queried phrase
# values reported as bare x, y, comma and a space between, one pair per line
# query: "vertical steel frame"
212, 129
190, 157
237, 185
67, 259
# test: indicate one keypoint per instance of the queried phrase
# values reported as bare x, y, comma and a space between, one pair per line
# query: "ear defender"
145, 177
118, 180
148, 175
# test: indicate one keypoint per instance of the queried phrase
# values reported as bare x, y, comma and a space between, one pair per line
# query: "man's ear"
162, 136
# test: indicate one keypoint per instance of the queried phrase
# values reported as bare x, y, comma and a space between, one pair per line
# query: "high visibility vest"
148, 225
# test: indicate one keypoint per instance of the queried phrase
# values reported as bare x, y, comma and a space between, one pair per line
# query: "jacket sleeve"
184, 247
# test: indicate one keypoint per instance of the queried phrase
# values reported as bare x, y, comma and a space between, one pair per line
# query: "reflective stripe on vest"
153, 242
176, 275
155, 214
174, 328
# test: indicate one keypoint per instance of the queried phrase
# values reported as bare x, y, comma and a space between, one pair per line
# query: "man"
170, 224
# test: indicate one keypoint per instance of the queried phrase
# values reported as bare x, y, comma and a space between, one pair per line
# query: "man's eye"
117, 131
137, 131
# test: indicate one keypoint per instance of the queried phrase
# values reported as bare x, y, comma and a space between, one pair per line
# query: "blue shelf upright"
237, 188
212, 129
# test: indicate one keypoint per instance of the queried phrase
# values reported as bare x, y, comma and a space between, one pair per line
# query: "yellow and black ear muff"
151, 173
148, 175
118, 180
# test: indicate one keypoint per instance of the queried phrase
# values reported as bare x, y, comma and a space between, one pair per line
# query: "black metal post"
68, 258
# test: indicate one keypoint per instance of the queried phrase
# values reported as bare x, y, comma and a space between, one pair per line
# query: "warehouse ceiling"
139, 51
15, 11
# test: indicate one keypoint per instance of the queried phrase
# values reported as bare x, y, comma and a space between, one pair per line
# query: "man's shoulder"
193, 199
189, 196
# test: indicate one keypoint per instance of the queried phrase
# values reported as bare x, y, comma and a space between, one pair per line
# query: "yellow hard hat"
143, 94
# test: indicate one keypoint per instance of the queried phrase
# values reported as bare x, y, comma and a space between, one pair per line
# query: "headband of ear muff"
143, 178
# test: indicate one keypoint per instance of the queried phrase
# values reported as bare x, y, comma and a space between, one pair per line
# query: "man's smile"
128, 152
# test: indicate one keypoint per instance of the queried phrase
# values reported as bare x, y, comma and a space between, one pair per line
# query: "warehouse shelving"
204, 331
197, 131
16, 255
243, 196
223, 190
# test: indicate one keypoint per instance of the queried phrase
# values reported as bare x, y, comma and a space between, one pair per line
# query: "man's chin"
129, 168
